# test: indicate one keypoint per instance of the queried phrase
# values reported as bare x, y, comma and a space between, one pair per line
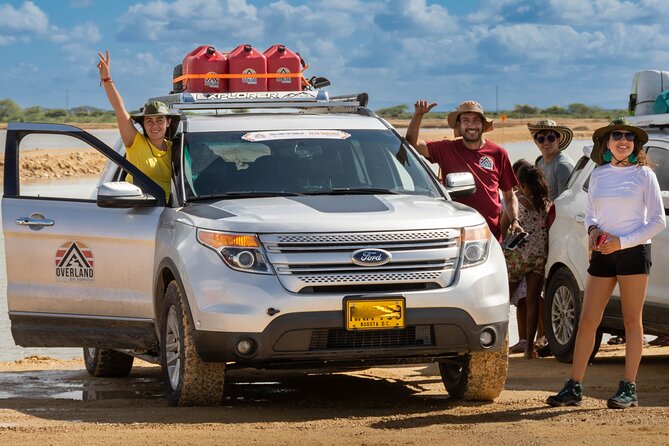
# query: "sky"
498, 52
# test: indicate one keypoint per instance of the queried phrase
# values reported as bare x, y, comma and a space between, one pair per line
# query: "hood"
328, 213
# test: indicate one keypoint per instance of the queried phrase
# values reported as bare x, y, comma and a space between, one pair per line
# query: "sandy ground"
44, 401
42, 165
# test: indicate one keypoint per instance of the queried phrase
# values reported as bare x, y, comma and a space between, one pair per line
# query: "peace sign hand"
103, 65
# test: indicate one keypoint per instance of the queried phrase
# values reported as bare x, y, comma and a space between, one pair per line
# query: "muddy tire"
476, 376
188, 380
103, 362
562, 313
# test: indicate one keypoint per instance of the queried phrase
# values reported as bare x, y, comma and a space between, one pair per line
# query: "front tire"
564, 300
189, 381
476, 376
106, 363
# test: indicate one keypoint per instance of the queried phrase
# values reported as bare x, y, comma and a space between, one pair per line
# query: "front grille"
338, 339
312, 263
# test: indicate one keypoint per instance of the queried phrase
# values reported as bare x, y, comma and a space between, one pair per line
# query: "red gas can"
283, 61
205, 60
246, 60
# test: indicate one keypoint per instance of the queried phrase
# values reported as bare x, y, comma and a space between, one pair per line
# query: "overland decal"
74, 263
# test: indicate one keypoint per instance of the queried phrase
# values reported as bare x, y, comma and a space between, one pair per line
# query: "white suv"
567, 264
301, 232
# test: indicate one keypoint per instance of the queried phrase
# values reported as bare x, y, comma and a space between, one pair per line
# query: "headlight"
241, 252
475, 245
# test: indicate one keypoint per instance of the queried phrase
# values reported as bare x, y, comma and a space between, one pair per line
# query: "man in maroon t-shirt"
488, 162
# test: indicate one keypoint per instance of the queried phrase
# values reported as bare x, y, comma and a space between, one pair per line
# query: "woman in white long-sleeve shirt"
623, 212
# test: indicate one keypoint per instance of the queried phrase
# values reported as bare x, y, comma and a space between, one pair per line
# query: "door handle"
580, 218
29, 221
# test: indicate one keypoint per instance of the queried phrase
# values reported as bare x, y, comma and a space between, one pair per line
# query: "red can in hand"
601, 239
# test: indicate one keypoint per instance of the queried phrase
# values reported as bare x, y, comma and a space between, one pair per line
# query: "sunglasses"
542, 138
617, 136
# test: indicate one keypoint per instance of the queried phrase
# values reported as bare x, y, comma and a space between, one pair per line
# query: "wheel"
189, 381
476, 376
103, 362
563, 311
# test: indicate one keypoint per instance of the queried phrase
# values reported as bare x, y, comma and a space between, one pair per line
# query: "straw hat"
565, 133
616, 124
468, 107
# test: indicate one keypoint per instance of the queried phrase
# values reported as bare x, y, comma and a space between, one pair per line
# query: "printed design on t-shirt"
486, 162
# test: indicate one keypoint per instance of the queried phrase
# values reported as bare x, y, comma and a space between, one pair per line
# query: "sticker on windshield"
74, 263
295, 134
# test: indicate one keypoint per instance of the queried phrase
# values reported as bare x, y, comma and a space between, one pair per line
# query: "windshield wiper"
352, 191
243, 194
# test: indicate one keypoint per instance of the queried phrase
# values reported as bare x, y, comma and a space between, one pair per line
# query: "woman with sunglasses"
552, 139
623, 212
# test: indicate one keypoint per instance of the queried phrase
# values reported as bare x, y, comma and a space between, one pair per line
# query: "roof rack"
660, 120
263, 99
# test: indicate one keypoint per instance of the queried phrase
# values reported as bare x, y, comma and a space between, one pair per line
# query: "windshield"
282, 162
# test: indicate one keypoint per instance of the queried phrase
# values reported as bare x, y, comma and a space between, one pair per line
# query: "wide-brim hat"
616, 124
154, 108
565, 133
157, 108
468, 107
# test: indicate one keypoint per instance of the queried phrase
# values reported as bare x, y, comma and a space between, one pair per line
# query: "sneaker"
625, 397
570, 395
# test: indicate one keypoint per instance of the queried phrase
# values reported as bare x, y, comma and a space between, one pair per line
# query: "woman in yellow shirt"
151, 151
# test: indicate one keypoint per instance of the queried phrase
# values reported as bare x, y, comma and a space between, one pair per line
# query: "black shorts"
628, 261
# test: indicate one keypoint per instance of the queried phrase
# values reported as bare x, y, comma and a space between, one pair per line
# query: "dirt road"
55, 402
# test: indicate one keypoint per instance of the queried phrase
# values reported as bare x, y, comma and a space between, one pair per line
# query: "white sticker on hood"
295, 134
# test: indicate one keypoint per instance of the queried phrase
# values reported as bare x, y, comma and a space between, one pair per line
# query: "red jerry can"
283, 61
246, 60
205, 60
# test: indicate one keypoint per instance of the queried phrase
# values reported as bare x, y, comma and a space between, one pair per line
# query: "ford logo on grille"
371, 257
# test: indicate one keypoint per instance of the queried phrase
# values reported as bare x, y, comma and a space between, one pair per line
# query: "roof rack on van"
262, 99
660, 120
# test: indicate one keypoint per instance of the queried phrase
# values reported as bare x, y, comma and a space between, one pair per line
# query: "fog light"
245, 346
487, 337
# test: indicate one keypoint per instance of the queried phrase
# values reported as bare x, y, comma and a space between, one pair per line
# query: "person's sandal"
616, 340
661, 340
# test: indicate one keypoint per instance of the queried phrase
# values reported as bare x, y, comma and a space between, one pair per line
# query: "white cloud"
189, 20
85, 33
27, 19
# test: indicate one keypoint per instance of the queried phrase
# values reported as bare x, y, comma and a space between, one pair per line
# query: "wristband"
515, 219
106, 79
591, 228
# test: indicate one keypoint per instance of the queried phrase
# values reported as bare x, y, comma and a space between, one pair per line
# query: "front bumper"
304, 340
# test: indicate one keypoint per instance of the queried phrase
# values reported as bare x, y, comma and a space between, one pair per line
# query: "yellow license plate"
374, 314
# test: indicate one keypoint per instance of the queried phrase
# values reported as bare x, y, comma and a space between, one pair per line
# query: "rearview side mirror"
121, 194
460, 184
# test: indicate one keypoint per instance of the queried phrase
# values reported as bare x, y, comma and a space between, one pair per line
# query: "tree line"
575, 110
10, 111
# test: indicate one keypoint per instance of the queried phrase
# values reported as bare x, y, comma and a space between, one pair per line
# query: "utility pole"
497, 98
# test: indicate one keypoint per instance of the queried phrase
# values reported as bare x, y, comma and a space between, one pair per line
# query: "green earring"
607, 156
632, 158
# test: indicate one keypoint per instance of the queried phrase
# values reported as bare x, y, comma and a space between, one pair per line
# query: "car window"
577, 171
58, 166
658, 160
301, 161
